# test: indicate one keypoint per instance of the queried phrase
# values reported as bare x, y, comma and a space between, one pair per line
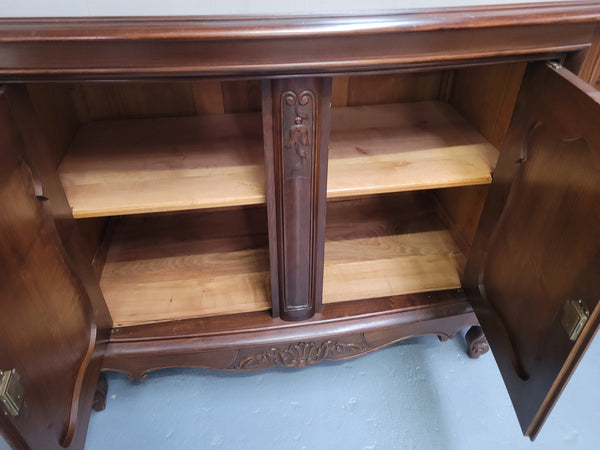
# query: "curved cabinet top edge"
62, 49
252, 27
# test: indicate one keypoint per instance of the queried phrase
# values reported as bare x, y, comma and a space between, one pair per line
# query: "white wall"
74, 8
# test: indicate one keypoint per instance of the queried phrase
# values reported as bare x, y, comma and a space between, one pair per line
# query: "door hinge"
554, 65
575, 316
11, 391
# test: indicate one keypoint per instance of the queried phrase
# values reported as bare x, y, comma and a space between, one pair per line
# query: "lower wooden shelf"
187, 265
176, 266
387, 245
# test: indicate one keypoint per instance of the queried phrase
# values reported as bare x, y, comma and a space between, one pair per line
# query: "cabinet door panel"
533, 275
47, 330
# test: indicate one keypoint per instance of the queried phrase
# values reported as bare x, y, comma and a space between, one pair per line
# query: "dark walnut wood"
100, 394
477, 343
47, 328
258, 341
296, 138
242, 47
538, 243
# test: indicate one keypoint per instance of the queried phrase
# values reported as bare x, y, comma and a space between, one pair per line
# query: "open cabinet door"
47, 330
533, 275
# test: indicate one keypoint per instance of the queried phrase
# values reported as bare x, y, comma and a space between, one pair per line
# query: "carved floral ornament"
301, 354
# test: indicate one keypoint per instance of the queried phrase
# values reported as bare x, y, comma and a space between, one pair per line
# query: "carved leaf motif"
301, 354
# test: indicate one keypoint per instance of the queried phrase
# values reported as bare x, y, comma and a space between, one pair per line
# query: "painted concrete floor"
418, 394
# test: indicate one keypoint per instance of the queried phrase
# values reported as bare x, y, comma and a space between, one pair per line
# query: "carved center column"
296, 131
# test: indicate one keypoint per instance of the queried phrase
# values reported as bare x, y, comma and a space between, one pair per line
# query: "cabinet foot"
100, 395
477, 344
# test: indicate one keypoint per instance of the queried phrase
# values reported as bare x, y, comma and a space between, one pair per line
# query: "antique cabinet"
239, 193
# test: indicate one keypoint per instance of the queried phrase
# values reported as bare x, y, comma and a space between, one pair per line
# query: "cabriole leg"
477, 344
100, 395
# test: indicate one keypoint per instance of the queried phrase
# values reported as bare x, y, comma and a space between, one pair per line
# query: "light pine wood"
215, 263
172, 164
390, 245
403, 147
166, 164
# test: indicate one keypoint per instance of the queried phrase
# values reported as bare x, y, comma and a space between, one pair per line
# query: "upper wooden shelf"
404, 147
182, 163
166, 164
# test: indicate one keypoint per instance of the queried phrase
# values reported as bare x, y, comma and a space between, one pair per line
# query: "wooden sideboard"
240, 193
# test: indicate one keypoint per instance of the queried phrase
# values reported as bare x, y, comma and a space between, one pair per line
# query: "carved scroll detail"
298, 133
298, 200
301, 354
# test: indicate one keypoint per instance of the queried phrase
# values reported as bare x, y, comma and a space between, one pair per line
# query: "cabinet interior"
167, 183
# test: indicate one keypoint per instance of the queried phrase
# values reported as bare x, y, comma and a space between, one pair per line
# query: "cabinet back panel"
392, 88
101, 101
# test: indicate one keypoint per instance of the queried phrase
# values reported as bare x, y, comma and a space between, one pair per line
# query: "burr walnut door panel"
533, 275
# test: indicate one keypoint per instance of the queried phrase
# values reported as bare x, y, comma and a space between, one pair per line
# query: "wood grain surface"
255, 46
166, 164
187, 265
170, 164
387, 245
540, 229
217, 262
402, 147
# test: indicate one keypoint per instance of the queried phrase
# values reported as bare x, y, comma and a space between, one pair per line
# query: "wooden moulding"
240, 47
257, 340
182, 163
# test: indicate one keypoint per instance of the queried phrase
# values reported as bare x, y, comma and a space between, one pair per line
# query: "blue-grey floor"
419, 394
